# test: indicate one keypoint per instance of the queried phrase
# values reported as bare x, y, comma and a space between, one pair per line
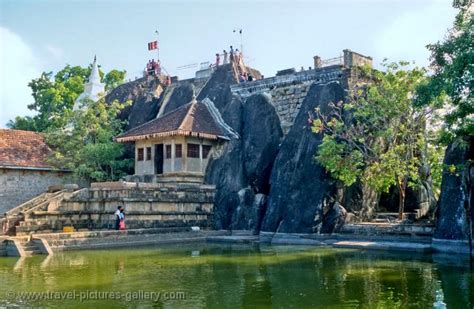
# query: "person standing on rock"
218, 59
225, 57
231, 53
117, 217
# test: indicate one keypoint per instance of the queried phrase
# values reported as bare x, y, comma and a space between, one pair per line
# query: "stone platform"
52, 242
147, 205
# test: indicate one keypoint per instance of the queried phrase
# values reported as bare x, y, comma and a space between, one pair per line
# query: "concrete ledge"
112, 239
233, 239
451, 246
389, 246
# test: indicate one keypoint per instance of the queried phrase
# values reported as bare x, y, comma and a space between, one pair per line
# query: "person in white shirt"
118, 214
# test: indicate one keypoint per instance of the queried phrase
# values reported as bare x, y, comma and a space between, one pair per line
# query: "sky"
42, 35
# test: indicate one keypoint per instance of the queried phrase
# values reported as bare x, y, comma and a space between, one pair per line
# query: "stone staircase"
24, 246
30, 248
15, 219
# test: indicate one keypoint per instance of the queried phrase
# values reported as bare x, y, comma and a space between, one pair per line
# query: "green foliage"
113, 79
86, 143
54, 97
452, 82
378, 137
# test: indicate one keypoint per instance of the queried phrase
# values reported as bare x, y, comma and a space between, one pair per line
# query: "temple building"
93, 89
179, 142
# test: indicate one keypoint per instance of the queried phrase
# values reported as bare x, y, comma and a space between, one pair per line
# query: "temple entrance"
158, 158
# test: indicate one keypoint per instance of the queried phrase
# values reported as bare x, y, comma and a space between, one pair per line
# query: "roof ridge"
153, 120
190, 113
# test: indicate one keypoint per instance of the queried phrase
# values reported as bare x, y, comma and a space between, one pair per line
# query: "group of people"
153, 67
232, 55
119, 218
245, 77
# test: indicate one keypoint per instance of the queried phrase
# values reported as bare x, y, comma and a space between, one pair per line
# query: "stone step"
105, 233
32, 252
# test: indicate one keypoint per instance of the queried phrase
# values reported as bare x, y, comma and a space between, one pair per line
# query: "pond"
225, 276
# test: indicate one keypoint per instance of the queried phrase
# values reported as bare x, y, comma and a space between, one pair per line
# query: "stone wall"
147, 205
287, 92
18, 186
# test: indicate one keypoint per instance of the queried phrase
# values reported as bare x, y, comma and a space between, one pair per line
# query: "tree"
54, 97
453, 75
85, 145
378, 136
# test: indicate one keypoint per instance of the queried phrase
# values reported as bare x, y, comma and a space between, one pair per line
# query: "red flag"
153, 45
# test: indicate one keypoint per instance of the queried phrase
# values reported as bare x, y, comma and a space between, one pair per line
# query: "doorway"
158, 158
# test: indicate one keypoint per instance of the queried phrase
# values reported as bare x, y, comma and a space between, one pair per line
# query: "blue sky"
38, 36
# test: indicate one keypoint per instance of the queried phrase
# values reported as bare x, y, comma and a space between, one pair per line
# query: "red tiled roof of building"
23, 149
192, 119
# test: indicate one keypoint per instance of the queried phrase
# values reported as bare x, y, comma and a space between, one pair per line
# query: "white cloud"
55, 51
18, 66
407, 36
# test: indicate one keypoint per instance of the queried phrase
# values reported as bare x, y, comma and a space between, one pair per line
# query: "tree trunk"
402, 185
370, 201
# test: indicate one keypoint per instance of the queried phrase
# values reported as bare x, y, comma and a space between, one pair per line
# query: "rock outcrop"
265, 179
453, 212
299, 186
241, 174
145, 95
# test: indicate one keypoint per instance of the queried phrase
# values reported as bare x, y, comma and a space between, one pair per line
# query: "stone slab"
389, 246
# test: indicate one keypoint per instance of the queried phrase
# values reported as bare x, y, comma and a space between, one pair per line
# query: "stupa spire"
93, 89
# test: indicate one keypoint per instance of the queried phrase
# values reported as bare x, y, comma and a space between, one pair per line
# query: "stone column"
200, 155
173, 154
185, 154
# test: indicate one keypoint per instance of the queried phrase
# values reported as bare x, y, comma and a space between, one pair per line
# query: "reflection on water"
241, 276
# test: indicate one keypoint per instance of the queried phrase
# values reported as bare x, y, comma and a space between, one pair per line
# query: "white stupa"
93, 89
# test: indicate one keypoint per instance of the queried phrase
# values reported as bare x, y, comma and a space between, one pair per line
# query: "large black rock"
245, 164
299, 186
453, 206
145, 104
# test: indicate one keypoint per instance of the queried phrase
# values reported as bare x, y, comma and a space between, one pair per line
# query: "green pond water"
224, 276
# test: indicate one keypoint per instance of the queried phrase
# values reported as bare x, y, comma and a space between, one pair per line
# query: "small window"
178, 150
140, 154
193, 151
148, 153
205, 151
168, 151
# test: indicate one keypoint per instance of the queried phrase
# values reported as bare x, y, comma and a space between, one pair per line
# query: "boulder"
249, 212
299, 186
245, 163
334, 219
452, 221
144, 105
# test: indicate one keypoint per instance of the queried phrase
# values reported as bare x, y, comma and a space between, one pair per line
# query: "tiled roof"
23, 149
192, 119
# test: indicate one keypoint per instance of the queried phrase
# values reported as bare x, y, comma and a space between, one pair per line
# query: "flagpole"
241, 45
158, 46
